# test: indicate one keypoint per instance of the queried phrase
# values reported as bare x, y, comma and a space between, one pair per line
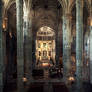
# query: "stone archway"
10, 41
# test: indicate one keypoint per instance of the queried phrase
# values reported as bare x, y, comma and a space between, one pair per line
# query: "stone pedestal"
20, 52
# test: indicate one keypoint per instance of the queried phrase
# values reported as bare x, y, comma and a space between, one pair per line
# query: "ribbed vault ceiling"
45, 12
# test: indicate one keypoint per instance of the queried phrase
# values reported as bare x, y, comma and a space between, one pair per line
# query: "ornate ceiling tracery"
67, 5
64, 3
45, 10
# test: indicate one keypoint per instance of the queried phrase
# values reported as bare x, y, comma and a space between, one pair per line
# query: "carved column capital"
79, 3
67, 16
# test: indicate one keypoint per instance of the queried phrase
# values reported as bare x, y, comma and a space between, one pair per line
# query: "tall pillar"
66, 46
28, 52
86, 61
91, 44
79, 42
1, 50
57, 48
28, 40
20, 56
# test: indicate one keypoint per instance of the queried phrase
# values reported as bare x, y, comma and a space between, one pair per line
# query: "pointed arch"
7, 6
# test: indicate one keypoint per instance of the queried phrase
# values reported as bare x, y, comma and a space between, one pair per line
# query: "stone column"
33, 50
66, 46
91, 54
1, 50
57, 48
90, 44
28, 52
79, 42
20, 56
4, 56
86, 55
57, 43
